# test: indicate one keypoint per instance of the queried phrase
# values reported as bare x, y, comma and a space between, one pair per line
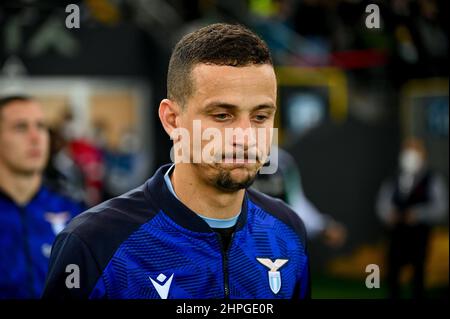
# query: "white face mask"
411, 161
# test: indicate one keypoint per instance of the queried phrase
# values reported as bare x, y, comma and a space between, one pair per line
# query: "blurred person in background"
124, 166
87, 154
409, 205
31, 214
286, 184
62, 172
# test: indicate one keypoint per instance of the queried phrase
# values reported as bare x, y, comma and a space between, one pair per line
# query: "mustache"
245, 155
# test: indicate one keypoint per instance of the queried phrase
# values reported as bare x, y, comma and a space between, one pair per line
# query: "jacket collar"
176, 210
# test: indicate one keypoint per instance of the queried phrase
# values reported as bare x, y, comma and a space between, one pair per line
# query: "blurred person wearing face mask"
409, 205
31, 213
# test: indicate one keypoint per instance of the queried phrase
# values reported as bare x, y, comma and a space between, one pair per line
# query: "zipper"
26, 248
224, 253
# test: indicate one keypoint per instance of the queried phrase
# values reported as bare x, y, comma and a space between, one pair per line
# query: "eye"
42, 126
222, 116
261, 118
21, 127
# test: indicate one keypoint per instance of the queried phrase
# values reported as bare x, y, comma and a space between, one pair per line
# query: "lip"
235, 164
247, 158
239, 161
34, 153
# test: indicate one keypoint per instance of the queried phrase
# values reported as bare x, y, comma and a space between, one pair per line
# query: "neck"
203, 198
20, 187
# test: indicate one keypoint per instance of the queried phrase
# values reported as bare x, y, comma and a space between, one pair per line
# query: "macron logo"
162, 289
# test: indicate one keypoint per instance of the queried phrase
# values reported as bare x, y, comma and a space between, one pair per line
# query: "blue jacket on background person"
26, 236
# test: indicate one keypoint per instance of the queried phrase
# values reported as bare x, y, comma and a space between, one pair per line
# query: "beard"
224, 179
229, 175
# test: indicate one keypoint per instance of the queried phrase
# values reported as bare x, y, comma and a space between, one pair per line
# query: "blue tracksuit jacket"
26, 236
147, 244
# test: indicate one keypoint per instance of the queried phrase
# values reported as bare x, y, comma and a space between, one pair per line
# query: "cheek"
46, 141
15, 149
46, 148
11, 142
265, 135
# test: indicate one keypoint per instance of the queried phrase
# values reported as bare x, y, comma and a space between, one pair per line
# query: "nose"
244, 122
244, 136
35, 134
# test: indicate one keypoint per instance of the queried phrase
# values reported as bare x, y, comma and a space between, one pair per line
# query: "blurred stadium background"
348, 95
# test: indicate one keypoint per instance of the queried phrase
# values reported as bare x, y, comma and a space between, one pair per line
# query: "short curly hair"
217, 44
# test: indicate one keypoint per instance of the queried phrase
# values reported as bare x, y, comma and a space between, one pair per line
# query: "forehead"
21, 110
228, 81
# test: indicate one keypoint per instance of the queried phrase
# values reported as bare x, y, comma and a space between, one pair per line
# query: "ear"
168, 114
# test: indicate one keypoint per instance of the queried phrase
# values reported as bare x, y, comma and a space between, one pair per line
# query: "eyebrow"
213, 105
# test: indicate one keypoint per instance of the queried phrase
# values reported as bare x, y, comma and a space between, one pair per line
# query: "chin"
32, 169
240, 166
236, 178
241, 173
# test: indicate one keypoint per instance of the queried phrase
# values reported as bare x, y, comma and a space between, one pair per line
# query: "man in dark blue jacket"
195, 229
30, 214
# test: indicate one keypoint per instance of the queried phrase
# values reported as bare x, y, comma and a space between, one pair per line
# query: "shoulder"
59, 201
112, 222
279, 210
